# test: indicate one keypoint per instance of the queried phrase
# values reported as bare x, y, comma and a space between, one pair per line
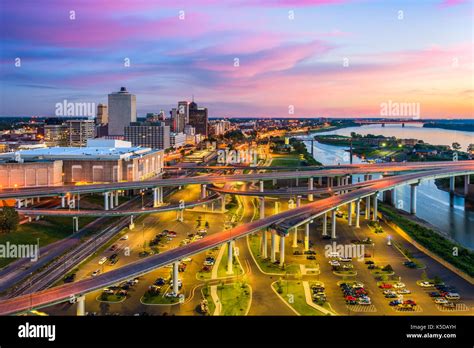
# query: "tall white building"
122, 111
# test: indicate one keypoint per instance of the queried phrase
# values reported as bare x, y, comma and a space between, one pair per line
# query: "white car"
334, 263
358, 285
426, 284
102, 260
187, 259
389, 292
452, 296
333, 254
398, 285
404, 291
364, 301
96, 272
440, 300
124, 237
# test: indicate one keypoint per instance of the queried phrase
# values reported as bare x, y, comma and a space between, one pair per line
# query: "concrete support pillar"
333, 226
357, 224
452, 183
298, 201
160, 195
367, 208
282, 251
273, 247
223, 203
320, 181
295, 237
106, 200
261, 187
155, 197
274, 182
413, 198
264, 244
349, 213
325, 224
175, 277
376, 207
262, 207
310, 187
277, 207
203, 191
116, 196
63, 202
306, 237
466, 185
394, 197
297, 182
111, 196
180, 215
338, 181
81, 306
230, 247
131, 226
75, 223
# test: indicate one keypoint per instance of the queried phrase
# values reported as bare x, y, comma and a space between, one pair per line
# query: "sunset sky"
401, 51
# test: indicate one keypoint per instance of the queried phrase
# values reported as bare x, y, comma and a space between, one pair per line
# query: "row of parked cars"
396, 291
318, 294
444, 295
355, 293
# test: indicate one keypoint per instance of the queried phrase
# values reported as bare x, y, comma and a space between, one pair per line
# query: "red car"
409, 302
172, 233
385, 286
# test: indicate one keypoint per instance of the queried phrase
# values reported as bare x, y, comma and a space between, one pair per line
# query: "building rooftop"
78, 153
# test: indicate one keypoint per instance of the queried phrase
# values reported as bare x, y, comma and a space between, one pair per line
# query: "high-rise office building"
55, 132
183, 109
198, 118
154, 135
178, 121
78, 131
102, 114
122, 111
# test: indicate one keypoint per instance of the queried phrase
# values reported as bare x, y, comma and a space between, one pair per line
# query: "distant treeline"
467, 127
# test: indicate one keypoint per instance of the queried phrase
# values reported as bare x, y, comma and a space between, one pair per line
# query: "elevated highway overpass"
302, 214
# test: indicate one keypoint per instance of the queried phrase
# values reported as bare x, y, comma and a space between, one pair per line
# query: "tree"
9, 219
456, 146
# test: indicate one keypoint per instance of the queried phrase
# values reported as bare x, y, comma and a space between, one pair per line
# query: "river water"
433, 205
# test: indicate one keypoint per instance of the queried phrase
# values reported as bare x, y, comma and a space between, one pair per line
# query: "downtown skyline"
320, 58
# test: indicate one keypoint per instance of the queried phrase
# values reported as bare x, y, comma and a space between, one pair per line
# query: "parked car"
403, 291
96, 272
452, 296
297, 252
398, 285
124, 237
427, 284
369, 262
102, 260
440, 300
395, 302
311, 257
385, 286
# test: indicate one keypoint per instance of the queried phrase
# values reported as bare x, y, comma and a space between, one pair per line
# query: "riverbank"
377, 147
434, 241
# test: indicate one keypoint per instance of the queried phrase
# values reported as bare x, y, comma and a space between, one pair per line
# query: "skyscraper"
122, 111
183, 109
198, 118
178, 121
155, 135
102, 114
